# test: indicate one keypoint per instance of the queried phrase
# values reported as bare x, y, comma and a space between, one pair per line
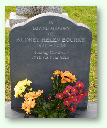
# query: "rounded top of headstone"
49, 14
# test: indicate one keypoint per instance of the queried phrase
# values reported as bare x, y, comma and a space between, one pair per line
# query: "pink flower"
58, 106
86, 92
67, 90
72, 97
59, 95
48, 97
79, 84
74, 90
73, 108
68, 108
69, 86
77, 100
82, 95
80, 90
67, 101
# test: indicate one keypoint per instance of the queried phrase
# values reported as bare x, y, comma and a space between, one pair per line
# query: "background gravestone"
45, 43
24, 12
35, 10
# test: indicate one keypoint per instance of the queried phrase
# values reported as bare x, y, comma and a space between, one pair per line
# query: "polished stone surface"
45, 43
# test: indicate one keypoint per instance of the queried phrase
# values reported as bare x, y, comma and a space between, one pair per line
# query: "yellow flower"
57, 72
30, 95
73, 79
52, 78
67, 77
30, 89
33, 95
21, 95
20, 87
30, 101
28, 82
66, 73
39, 92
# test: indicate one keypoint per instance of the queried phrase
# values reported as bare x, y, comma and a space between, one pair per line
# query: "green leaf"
45, 105
53, 114
40, 116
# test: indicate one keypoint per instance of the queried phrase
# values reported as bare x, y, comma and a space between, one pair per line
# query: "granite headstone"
35, 10
45, 43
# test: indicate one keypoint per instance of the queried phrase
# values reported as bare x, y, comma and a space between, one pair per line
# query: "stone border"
14, 19
90, 112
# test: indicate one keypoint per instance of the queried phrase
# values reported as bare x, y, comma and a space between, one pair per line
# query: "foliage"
63, 97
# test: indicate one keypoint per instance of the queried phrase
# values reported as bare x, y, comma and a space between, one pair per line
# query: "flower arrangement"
63, 97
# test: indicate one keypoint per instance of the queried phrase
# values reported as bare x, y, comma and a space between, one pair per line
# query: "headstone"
24, 10
45, 43
35, 10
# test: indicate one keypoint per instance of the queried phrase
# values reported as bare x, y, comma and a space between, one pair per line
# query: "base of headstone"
14, 19
90, 112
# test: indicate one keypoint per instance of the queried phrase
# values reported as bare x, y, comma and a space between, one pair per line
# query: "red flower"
69, 86
67, 101
48, 97
77, 100
80, 89
67, 90
79, 84
73, 108
82, 95
59, 96
72, 97
74, 90
68, 108
85, 92
58, 106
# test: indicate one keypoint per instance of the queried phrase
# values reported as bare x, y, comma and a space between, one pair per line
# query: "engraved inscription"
50, 41
30, 40
50, 55
50, 28
56, 45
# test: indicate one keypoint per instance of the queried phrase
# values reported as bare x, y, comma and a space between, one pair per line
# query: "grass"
86, 15
8, 9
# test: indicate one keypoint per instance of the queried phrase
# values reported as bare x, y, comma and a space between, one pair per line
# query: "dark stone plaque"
45, 43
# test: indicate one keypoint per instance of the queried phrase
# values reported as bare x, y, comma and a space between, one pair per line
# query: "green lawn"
86, 15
